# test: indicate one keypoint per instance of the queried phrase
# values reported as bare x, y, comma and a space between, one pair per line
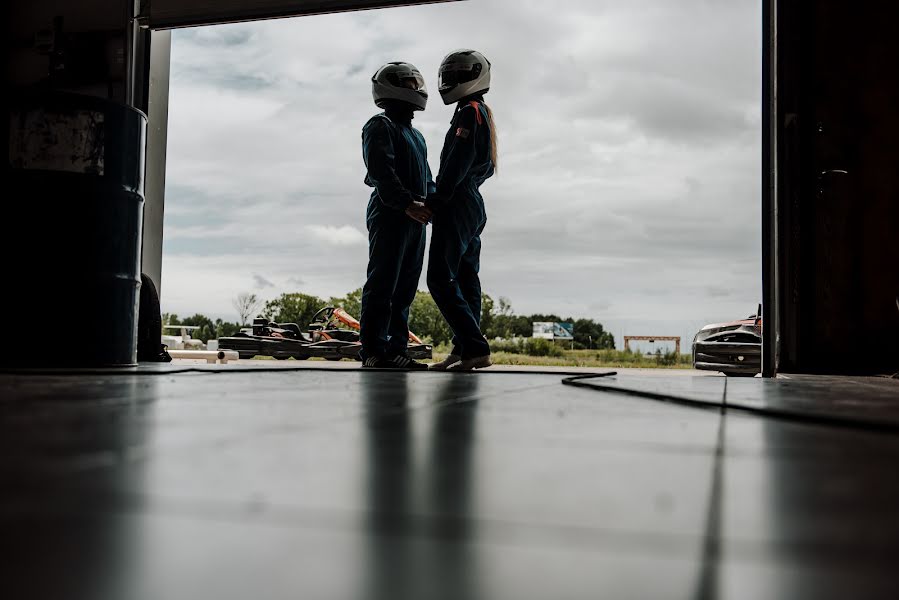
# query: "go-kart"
327, 337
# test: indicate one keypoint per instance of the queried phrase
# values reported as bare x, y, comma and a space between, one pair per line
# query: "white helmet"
463, 73
399, 81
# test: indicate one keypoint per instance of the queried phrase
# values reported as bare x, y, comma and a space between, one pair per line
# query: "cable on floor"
769, 412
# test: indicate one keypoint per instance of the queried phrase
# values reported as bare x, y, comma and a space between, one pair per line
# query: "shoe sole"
472, 367
441, 366
394, 368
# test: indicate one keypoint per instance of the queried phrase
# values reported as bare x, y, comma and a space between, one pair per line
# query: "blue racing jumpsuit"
459, 219
397, 161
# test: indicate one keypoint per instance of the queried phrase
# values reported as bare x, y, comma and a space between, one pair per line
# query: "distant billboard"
553, 331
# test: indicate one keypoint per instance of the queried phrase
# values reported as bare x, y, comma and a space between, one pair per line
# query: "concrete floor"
336, 483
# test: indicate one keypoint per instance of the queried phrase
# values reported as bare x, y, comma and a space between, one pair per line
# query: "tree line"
498, 319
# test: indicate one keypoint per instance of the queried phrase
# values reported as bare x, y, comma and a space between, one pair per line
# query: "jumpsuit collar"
400, 115
467, 99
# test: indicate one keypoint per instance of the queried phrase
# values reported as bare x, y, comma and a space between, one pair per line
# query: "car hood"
752, 326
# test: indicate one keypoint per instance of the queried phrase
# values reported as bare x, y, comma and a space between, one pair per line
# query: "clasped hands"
417, 211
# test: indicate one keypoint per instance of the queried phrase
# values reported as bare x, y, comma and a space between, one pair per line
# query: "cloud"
714, 291
260, 282
346, 235
355, 69
629, 153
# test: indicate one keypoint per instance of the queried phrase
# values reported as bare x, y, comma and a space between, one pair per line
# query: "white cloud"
346, 235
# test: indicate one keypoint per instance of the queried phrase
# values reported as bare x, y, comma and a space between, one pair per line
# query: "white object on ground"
209, 356
183, 341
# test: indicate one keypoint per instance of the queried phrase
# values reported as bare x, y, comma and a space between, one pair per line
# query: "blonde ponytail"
493, 152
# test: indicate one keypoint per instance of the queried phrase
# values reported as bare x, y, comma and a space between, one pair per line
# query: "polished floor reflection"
347, 484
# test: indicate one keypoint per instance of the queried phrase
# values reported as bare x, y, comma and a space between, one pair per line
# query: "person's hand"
417, 211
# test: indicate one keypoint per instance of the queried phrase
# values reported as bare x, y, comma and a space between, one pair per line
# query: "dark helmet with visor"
399, 81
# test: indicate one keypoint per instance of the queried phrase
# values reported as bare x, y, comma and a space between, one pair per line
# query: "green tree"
504, 308
496, 323
520, 326
546, 318
225, 329
207, 328
590, 334
293, 308
506, 324
488, 311
426, 321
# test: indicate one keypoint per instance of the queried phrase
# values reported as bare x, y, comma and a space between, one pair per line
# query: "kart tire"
304, 357
281, 357
334, 358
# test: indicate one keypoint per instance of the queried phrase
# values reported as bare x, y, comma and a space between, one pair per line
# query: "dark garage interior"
146, 480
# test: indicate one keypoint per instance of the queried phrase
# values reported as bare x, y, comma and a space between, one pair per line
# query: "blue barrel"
73, 220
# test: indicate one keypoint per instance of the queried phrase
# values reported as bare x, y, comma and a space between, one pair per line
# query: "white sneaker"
467, 364
445, 363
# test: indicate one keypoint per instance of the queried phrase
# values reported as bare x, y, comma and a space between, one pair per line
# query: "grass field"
589, 358
578, 358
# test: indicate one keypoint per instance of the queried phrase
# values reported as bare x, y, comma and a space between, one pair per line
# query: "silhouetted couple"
406, 198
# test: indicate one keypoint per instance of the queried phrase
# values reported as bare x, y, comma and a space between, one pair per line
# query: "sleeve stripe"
477, 110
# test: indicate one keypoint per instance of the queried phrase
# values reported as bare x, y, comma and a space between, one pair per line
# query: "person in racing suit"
396, 158
468, 159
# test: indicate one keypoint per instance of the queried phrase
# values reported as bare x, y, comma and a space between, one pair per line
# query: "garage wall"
837, 214
97, 29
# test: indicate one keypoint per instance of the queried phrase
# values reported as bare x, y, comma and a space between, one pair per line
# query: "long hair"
492, 138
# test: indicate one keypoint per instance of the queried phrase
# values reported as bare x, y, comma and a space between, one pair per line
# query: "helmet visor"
410, 81
450, 77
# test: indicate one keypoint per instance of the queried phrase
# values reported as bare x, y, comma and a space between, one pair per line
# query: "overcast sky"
628, 185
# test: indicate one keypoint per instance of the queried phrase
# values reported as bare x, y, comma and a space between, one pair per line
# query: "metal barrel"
72, 235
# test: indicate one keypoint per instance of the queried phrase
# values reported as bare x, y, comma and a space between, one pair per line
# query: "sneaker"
467, 364
444, 364
404, 362
394, 361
